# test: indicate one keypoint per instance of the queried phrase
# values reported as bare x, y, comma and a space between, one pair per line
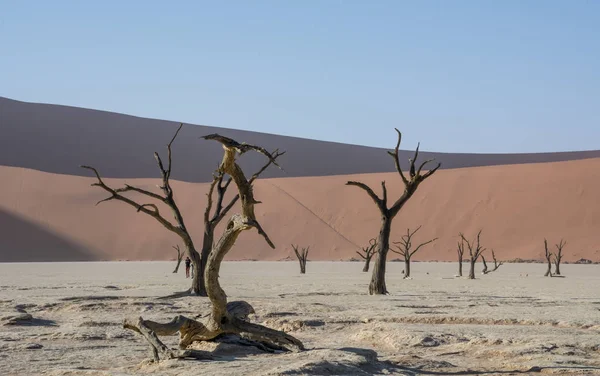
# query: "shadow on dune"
24, 241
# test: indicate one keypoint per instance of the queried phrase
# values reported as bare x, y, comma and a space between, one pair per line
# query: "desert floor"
501, 323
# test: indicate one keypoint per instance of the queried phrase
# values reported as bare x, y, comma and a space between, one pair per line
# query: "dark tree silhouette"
475, 250
406, 250
179, 258
302, 257
460, 250
367, 253
496, 264
411, 183
558, 256
548, 255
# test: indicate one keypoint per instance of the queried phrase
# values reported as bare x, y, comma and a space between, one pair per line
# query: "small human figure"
188, 262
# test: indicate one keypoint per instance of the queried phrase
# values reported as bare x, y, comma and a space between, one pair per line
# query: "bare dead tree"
367, 253
404, 249
302, 257
475, 250
224, 317
179, 228
460, 250
179, 258
219, 211
415, 178
167, 198
496, 264
558, 256
548, 256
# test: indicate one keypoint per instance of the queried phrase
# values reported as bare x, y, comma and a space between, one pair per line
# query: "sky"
460, 76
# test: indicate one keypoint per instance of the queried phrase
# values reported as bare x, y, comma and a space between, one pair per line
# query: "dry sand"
512, 319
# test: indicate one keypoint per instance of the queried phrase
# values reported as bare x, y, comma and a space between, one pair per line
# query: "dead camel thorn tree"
415, 178
179, 227
496, 264
475, 250
405, 249
367, 253
460, 250
179, 257
558, 256
302, 257
224, 317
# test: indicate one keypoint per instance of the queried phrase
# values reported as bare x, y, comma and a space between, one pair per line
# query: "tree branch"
371, 194
139, 207
396, 156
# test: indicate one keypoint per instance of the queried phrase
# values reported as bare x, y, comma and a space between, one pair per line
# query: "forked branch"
496, 264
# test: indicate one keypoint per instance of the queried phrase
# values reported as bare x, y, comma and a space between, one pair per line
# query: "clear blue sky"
460, 76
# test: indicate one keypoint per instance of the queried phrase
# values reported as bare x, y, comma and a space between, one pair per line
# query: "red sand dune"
517, 206
47, 210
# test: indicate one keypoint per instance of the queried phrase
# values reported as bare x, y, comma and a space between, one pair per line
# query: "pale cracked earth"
65, 319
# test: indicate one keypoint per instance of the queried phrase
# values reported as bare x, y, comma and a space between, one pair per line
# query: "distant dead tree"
179, 258
179, 227
302, 257
496, 264
460, 250
548, 256
405, 249
367, 253
475, 250
377, 285
224, 318
558, 256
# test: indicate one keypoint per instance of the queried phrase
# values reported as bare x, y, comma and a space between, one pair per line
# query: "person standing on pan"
187, 267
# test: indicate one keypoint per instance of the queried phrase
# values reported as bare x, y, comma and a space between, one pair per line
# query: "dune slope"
517, 206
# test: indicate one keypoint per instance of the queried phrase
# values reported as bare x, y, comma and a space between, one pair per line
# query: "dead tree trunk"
377, 285
179, 258
302, 257
485, 268
224, 317
367, 253
496, 264
548, 256
558, 256
405, 249
211, 221
460, 251
475, 250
